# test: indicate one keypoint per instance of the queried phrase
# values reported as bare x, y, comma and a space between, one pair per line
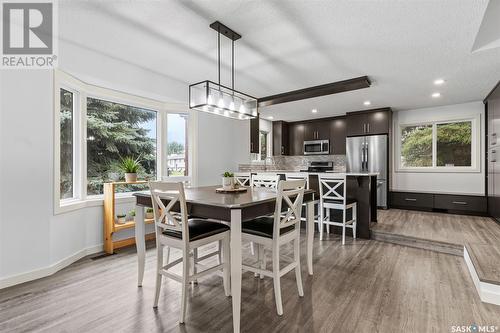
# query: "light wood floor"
481, 236
364, 286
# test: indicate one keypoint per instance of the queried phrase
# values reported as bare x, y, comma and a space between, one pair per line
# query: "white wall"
460, 183
33, 241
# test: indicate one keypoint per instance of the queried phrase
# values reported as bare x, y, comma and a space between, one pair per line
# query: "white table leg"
236, 267
140, 242
310, 235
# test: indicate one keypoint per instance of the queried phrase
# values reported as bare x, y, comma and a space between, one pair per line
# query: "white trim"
49, 270
475, 120
488, 292
81, 91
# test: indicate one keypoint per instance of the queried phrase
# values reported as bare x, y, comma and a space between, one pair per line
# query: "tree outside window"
115, 131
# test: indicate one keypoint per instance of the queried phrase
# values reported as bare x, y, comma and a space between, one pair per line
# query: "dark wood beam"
316, 91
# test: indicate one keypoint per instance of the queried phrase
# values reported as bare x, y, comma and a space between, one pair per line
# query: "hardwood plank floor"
480, 234
441, 227
364, 286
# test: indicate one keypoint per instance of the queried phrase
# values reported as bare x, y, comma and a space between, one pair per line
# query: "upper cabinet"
316, 130
296, 132
370, 122
254, 135
280, 138
338, 127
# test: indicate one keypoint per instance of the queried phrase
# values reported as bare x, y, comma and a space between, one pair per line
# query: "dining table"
235, 209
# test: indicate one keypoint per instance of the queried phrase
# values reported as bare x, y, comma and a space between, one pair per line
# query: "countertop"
352, 174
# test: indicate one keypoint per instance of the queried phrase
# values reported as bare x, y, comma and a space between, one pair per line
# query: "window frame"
475, 167
81, 91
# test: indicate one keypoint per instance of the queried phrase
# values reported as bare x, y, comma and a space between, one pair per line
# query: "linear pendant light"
212, 97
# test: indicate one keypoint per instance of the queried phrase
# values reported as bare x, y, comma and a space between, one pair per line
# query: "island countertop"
352, 174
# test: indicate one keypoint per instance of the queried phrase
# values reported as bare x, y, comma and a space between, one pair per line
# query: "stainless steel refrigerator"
369, 154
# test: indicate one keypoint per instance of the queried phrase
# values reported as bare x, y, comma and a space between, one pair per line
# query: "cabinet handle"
368, 128
364, 128
410, 199
282, 149
459, 202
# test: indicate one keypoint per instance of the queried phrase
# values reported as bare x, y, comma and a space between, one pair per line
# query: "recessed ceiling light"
270, 117
438, 82
367, 103
436, 95
314, 110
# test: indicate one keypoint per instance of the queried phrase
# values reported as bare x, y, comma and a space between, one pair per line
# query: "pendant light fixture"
212, 97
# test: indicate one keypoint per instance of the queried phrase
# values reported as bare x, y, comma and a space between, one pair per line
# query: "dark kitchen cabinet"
280, 138
296, 138
254, 135
370, 122
316, 130
337, 135
492, 106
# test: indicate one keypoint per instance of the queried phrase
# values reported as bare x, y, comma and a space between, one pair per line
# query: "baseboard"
49, 270
488, 292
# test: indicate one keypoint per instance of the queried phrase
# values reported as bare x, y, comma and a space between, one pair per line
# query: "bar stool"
332, 191
269, 180
274, 231
173, 229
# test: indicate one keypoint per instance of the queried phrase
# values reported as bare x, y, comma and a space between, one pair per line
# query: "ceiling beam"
316, 91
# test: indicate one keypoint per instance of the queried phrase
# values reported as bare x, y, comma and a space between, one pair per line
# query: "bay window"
95, 128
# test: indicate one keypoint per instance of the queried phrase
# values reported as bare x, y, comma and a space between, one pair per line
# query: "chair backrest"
298, 175
242, 178
165, 196
332, 187
265, 180
291, 193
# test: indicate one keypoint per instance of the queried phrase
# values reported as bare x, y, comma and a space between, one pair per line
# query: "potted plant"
228, 180
131, 214
149, 213
120, 218
130, 166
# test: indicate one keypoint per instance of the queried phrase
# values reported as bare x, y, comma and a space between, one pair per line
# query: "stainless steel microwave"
317, 147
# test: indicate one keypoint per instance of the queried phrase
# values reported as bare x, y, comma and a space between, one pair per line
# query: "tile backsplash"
294, 163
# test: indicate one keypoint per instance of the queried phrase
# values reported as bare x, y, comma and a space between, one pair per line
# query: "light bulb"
231, 105
221, 103
226, 113
254, 113
242, 108
205, 108
209, 99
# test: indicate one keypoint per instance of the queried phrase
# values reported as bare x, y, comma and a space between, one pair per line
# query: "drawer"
460, 202
417, 200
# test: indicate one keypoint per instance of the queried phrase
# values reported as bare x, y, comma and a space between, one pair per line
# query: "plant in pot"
121, 218
131, 214
130, 166
149, 213
228, 180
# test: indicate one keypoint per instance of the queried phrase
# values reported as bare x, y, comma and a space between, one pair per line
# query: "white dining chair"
242, 178
333, 195
304, 176
273, 231
269, 180
174, 229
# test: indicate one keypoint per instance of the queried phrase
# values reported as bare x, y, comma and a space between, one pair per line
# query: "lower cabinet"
460, 204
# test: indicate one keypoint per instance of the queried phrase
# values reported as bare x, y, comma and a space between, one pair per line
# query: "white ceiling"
401, 45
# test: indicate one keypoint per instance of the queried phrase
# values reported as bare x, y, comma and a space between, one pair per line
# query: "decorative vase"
149, 215
120, 219
227, 183
130, 177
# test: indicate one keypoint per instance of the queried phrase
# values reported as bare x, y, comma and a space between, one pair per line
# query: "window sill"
93, 201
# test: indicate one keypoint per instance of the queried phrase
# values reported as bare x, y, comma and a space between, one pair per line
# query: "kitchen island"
361, 187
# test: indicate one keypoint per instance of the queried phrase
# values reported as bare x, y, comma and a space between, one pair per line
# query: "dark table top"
206, 195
